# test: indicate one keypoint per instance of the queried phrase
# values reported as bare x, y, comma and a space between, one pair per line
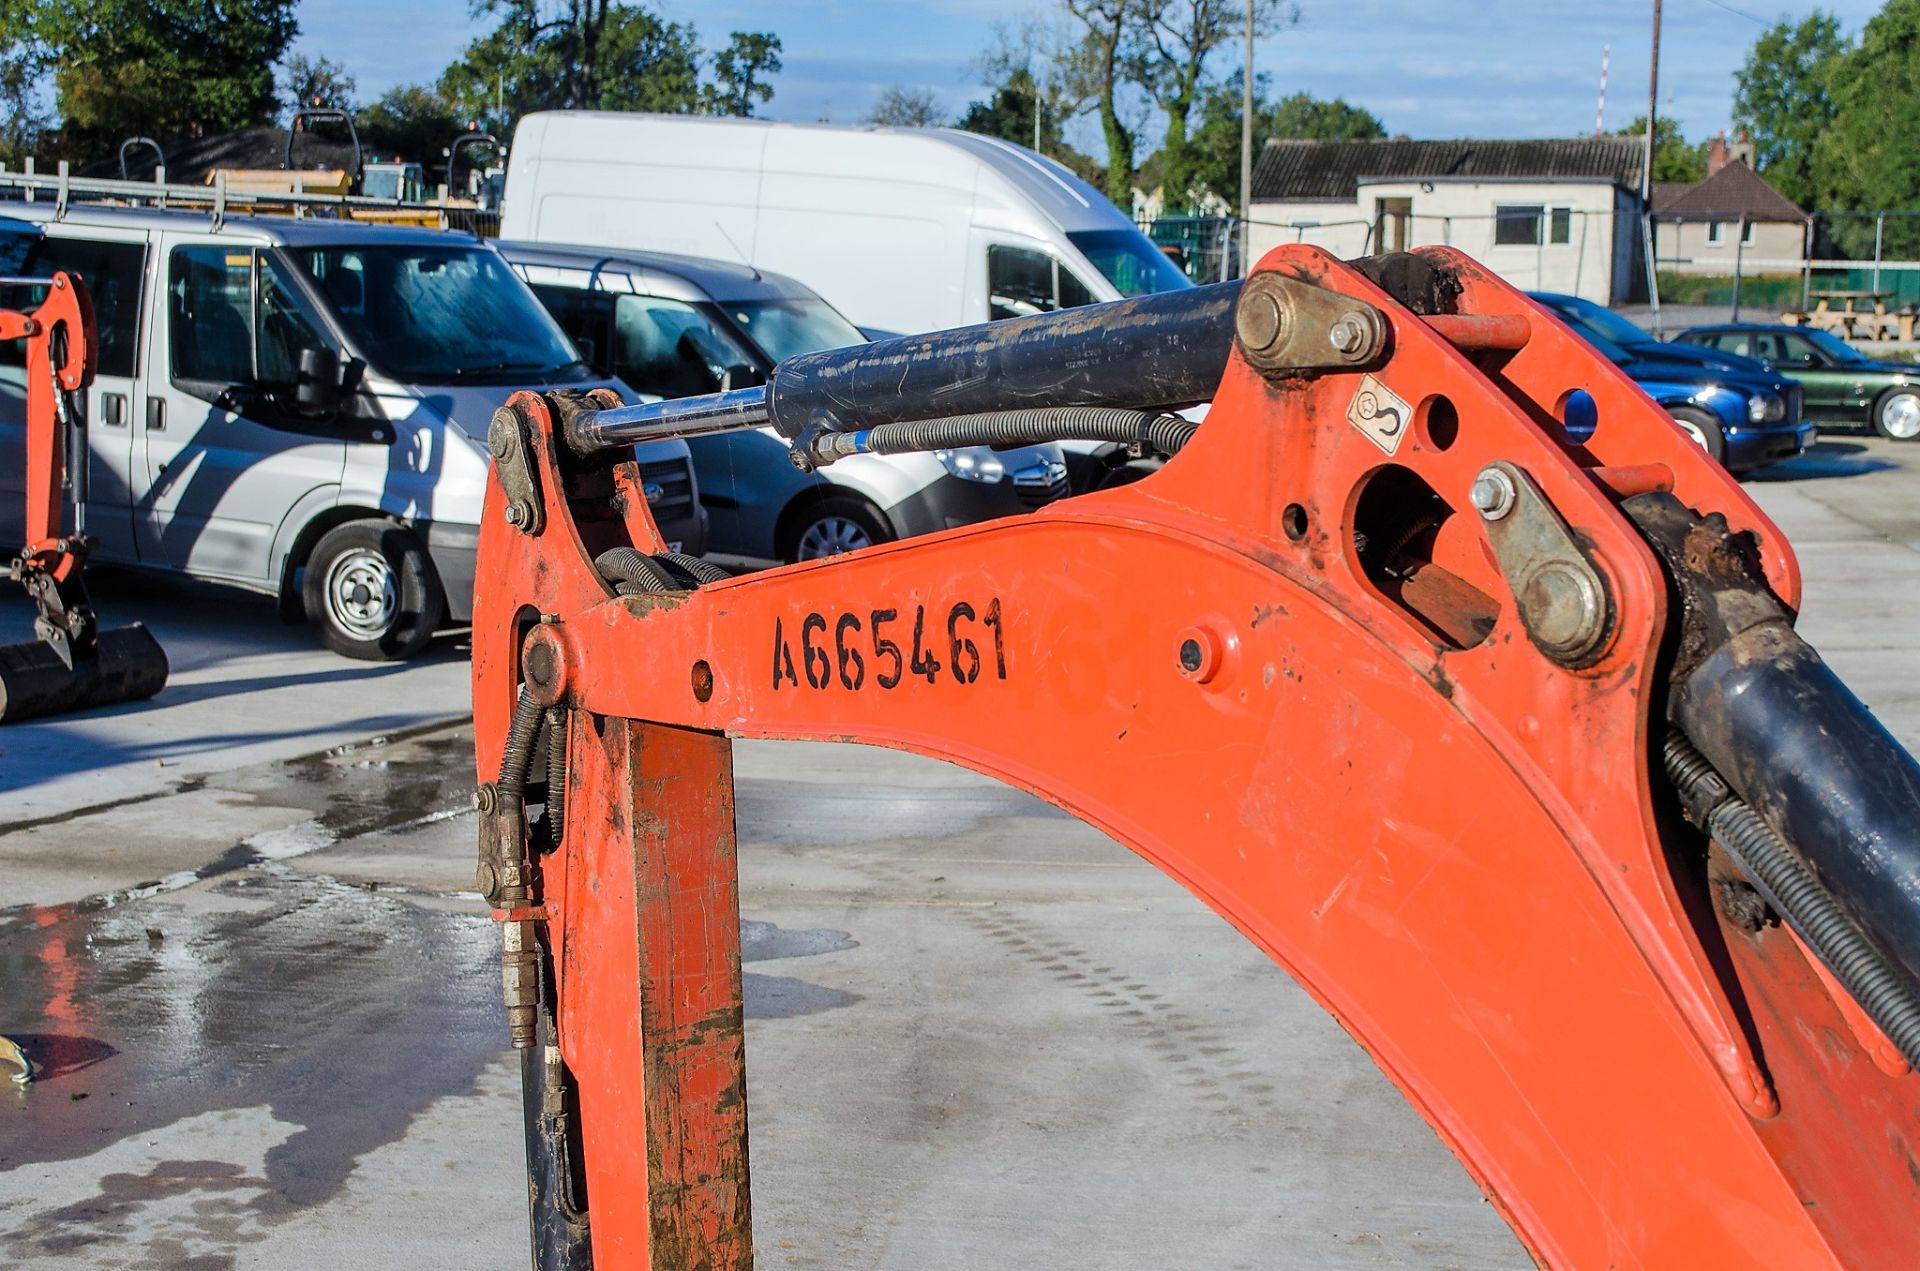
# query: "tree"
165, 68
906, 108
1036, 90
1216, 136
1673, 158
316, 81
1303, 117
1098, 64
1780, 98
1170, 46
1864, 160
740, 72
22, 120
412, 122
597, 55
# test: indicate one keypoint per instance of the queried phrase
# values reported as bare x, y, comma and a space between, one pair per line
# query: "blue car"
1738, 410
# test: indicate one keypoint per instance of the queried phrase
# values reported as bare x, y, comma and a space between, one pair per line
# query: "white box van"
676, 326
901, 229
300, 407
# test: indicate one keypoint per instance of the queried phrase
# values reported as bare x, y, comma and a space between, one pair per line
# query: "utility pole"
1646, 175
1246, 145
1653, 104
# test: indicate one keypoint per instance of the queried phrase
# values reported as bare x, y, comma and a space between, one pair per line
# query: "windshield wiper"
495, 368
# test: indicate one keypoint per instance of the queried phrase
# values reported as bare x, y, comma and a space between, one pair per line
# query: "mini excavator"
73, 665
1437, 660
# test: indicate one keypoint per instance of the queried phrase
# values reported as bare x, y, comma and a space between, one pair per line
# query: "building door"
1392, 224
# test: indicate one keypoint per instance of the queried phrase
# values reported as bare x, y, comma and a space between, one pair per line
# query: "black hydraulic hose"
1153, 429
516, 761
701, 571
632, 571
1886, 995
556, 775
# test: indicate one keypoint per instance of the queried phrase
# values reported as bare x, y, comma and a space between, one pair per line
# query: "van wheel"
833, 526
372, 592
1704, 430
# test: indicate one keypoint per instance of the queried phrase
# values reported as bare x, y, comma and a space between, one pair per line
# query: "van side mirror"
740, 375
318, 384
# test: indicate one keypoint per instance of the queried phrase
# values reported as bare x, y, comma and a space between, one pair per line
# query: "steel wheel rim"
832, 535
362, 594
1900, 417
1694, 431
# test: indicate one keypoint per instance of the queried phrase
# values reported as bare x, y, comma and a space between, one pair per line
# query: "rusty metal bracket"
513, 468
1561, 596
1285, 326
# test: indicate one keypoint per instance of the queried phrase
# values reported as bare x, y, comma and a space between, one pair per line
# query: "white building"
1545, 215
1732, 219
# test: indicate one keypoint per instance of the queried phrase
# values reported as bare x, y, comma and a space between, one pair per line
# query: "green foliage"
740, 74
1216, 140
1673, 158
905, 108
1868, 157
21, 118
1782, 101
410, 122
159, 68
1302, 117
316, 81
1167, 55
603, 56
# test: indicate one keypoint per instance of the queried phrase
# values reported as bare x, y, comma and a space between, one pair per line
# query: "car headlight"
975, 463
1765, 407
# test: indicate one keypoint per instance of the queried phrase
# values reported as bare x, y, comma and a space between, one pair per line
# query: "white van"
901, 229
300, 407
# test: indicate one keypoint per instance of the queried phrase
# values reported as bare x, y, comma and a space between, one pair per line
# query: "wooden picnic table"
1874, 323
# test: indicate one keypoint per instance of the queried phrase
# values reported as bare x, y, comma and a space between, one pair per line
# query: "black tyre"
372, 592
841, 523
1896, 416
1703, 428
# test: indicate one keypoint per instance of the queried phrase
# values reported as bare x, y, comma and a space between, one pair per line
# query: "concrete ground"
264, 1004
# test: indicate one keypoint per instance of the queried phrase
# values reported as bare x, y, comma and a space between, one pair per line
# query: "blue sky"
1492, 68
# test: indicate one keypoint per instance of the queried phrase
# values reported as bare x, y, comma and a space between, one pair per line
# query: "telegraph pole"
1646, 174
1246, 145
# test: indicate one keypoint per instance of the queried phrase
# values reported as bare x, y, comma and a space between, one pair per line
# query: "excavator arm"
1436, 660
72, 664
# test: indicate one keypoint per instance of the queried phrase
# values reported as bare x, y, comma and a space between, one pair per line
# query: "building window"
1560, 229
1716, 231
1746, 234
1517, 224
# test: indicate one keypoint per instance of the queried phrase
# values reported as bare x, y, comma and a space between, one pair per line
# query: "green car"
1843, 385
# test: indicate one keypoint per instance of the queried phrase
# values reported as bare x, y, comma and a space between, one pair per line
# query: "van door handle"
113, 410
156, 414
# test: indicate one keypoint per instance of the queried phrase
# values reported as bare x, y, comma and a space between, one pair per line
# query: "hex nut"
1493, 493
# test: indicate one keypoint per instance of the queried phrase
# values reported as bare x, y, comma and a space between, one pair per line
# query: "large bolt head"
516, 514
1565, 609
1259, 320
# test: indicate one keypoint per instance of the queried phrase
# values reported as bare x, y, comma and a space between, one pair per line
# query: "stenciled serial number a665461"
857, 650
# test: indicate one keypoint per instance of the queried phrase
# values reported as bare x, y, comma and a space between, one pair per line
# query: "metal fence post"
1879, 238
1739, 261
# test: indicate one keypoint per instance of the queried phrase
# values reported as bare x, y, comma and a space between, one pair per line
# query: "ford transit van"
299, 407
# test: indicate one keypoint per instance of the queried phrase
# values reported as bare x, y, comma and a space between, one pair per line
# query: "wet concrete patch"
343, 1011
780, 996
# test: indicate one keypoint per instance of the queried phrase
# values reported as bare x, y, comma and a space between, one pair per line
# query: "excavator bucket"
73, 665
127, 665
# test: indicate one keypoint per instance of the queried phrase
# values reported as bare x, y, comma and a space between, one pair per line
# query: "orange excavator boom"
1436, 659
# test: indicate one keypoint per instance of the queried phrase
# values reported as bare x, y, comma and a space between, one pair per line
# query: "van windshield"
1129, 260
434, 314
786, 328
